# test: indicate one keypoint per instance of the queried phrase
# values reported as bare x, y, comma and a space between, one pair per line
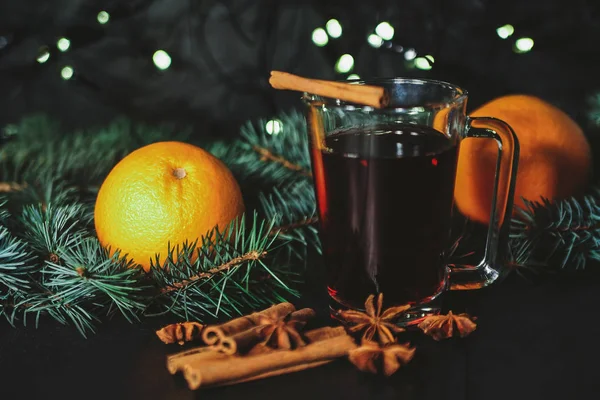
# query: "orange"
166, 192
555, 160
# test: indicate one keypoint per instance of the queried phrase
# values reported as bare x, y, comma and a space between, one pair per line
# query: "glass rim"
461, 94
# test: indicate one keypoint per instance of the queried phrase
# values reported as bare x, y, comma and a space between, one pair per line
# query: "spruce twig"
267, 155
89, 271
262, 160
16, 263
558, 235
225, 274
248, 257
293, 209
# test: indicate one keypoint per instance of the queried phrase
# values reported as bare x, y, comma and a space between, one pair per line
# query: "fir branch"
49, 230
9, 187
293, 226
4, 213
225, 274
41, 301
262, 160
558, 235
267, 155
250, 256
293, 209
16, 263
89, 272
594, 109
41, 148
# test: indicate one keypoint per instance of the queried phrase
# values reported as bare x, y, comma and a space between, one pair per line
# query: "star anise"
442, 326
283, 333
374, 321
373, 358
180, 332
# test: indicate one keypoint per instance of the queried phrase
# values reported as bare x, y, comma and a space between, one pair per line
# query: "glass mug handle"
490, 268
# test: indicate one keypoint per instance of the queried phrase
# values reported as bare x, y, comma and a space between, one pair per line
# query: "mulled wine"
385, 196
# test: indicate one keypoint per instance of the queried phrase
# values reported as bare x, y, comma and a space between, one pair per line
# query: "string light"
422, 63
67, 73
523, 45
410, 54
161, 59
274, 127
334, 28
385, 30
43, 54
430, 58
103, 17
319, 37
505, 31
375, 40
63, 44
344, 64
353, 77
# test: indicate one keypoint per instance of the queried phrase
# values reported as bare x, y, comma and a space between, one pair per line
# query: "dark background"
534, 340
222, 53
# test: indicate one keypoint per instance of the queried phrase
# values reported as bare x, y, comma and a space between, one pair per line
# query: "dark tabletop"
533, 341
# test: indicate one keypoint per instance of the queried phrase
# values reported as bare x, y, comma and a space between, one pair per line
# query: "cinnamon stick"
243, 341
312, 336
236, 369
369, 95
177, 361
303, 315
194, 362
212, 335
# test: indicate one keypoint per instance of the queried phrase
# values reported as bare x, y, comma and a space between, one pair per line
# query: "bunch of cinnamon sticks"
259, 345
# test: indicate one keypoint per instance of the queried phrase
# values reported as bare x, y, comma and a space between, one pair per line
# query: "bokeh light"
67, 72
385, 30
43, 54
505, 31
274, 127
523, 45
319, 37
161, 59
422, 63
334, 28
103, 17
410, 54
344, 64
375, 40
63, 44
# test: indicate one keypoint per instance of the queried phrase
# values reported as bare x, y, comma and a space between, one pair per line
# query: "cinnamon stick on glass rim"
369, 95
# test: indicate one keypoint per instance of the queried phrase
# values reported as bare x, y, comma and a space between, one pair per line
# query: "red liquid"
385, 201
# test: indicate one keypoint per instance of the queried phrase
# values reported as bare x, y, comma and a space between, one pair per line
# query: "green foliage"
594, 109
262, 161
15, 263
227, 273
52, 265
558, 235
293, 211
